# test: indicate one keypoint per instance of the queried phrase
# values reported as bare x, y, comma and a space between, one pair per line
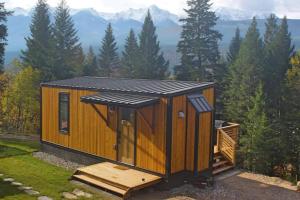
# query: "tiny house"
160, 127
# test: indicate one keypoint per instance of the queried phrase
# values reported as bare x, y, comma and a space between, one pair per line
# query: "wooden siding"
191, 115
178, 135
209, 94
151, 137
204, 140
88, 131
205, 126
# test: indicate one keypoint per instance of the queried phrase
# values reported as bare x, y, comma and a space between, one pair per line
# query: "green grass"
9, 192
16, 161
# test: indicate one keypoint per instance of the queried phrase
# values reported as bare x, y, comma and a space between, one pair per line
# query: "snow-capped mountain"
226, 14
158, 14
20, 11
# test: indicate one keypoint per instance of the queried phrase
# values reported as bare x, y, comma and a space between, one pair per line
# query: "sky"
291, 8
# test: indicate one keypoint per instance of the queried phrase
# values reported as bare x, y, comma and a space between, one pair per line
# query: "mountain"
91, 25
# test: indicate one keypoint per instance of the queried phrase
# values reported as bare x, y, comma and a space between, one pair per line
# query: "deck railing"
227, 138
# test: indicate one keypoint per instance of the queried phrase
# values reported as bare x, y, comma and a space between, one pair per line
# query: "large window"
64, 112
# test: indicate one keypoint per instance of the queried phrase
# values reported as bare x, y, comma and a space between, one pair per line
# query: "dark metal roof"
120, 99
200, 103
143, 86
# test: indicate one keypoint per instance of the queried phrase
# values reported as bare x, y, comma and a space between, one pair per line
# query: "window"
64, 112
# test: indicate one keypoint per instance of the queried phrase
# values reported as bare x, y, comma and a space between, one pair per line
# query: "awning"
200, 103
120, 99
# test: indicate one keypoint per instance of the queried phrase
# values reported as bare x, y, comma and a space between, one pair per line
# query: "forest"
257, 82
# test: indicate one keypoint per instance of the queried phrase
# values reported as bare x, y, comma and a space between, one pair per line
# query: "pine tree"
244, 75
67, 46
90, 63
199, 41
131, 57
234, 47
3, 34
40, 46
255, 132
153, 64
291, 117
108, 58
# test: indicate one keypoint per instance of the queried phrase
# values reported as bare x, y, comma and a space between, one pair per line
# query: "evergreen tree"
199, 41
153, 64
255, 133
67, 46
131, 57
244, 75
3, 34
271, 29
108, 58
234, 47
39, 52
90, 63
279, 51
291, 118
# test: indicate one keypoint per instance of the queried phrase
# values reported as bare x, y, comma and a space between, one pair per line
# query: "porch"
115, 178
225, 149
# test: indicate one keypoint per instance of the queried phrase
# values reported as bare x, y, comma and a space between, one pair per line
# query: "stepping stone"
68, 195
44, 198
24, 188
16, 183
32, 192
78, 192
8, 180
1, 174
88, 195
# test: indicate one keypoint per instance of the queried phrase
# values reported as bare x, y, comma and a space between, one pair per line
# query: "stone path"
77, 193
26, 189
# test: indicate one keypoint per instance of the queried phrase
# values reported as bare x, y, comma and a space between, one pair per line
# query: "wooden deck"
115, 178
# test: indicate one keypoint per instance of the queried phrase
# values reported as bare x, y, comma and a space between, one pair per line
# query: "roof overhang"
200, 103
120, 99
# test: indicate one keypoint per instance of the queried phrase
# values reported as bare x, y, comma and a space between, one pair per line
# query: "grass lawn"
17, 162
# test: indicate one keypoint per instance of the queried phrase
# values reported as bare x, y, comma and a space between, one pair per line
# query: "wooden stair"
100, 183
115, 178
221, 164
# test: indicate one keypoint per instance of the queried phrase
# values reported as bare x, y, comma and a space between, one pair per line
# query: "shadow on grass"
6, 152
8, 190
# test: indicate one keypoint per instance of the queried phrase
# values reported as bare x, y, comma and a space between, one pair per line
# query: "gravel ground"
238, 186
57, 161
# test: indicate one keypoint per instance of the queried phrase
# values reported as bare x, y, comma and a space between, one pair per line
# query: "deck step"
222, 169
101, 184
220, 163
106, 181
218, 156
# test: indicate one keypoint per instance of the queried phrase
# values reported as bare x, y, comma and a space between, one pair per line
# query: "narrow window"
64, 112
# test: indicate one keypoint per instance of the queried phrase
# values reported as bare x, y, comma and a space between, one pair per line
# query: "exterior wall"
205, 131
151, 138
85, 124
204, 142
178, 135
191, 115
90, 134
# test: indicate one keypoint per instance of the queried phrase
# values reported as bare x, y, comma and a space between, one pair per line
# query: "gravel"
57, 161
241, 186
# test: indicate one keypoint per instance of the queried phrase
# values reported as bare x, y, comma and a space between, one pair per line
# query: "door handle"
115, 147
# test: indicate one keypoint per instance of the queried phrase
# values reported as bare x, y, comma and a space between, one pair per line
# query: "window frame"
60, 96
